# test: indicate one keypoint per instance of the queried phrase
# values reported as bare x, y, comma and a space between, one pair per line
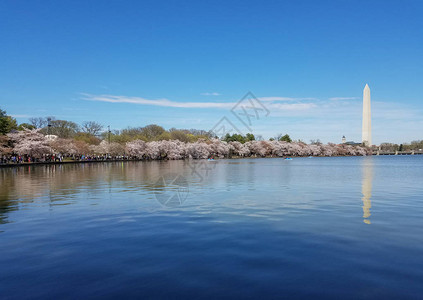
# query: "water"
342, 227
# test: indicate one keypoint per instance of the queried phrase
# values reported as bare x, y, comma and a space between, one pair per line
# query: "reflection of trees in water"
5, 207
65, 184
7, 203
366, 188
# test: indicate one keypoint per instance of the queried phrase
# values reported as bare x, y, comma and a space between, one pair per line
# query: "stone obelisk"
366, 132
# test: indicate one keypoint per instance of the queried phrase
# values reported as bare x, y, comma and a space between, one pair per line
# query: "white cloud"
168, 103
156, 102
210, 94
284, 99
324, 119
19, 116
343, 98
329, 120
291, 106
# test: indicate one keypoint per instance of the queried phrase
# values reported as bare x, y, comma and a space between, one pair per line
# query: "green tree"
239, 138
416, 145
62, 128
130, 134
227, 137
92, 127
389, 147
152, 131
87, 138
163, 136
250, 137
26, 126
180, 135
285, 138
7, 123
38, 122
315, 142
234, 138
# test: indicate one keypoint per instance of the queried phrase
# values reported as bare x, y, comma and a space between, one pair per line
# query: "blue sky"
164, 62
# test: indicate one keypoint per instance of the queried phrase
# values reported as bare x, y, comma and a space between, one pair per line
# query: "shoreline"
11, 165
64, 162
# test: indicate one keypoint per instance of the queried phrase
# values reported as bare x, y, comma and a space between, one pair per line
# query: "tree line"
42, 138
93, 133
32, 145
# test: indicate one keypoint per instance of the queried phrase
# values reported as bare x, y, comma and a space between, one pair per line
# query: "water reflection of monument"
366, 188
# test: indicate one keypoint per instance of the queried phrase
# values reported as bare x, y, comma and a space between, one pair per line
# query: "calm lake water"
341, 227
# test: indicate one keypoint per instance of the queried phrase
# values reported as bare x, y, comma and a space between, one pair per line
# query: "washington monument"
366, 133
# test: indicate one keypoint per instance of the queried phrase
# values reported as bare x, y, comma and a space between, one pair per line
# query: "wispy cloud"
19, 116
291, 106
211, 94
343, 98
156, 102
391, 121
168, 103
285, 99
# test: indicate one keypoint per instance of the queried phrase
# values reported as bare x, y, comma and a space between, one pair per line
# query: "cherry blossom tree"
219, 148
82, 147
4, 145
34, 143
104, 147
30, 142
198, 150
240, 149
258, 148
64, 146
153, 150
173, 149
314, 150
136, 149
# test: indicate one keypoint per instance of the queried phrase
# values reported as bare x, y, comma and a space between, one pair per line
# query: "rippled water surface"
342, 227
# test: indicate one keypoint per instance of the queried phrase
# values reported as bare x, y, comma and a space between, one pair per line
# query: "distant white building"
366, 132
344, 140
